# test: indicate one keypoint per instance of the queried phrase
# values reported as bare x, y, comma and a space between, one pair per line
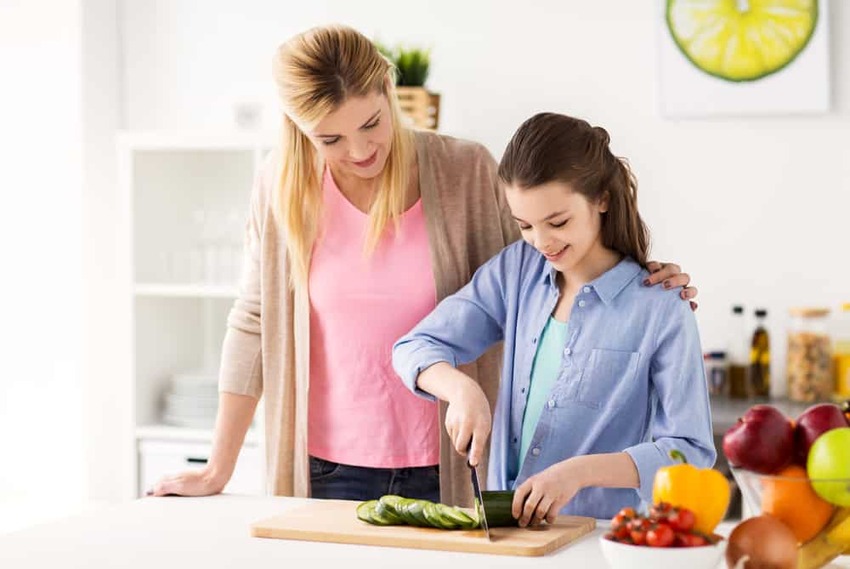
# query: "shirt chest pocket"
608, 380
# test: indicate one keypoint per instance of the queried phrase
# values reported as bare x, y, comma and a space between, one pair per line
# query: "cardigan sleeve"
510, 230
241, 370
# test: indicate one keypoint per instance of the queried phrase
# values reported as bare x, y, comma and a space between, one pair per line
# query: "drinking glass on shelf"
197, 262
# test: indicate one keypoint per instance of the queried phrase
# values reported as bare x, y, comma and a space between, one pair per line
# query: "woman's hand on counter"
201, 482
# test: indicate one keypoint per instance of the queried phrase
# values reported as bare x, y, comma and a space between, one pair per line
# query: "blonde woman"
358, 227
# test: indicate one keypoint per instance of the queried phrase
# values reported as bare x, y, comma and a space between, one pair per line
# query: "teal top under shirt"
544, 373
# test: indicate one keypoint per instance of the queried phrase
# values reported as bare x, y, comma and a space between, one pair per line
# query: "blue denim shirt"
632, 376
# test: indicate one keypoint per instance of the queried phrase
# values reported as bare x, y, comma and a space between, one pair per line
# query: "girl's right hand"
201, 482
468, 421
468, 413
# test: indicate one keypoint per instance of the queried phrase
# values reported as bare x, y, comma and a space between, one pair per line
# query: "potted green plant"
412, 65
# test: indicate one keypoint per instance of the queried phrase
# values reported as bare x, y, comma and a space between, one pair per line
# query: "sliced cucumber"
366, 510
387, 508
435, 517
396, 510
414, 512
456, 517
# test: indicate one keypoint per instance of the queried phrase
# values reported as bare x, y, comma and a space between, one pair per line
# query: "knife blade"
479, 500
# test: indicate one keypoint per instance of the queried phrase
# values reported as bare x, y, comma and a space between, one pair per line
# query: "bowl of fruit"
666, 536
794, 477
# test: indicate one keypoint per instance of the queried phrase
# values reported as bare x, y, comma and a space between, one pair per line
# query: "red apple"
762, 440
812, 423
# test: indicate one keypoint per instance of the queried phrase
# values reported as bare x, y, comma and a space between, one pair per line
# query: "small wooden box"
421, 106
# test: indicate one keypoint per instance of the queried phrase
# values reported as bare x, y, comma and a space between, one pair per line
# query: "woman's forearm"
235, 413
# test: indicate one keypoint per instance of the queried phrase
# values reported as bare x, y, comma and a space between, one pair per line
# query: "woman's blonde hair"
316, 72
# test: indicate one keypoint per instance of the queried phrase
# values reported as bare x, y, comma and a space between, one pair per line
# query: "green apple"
828, 466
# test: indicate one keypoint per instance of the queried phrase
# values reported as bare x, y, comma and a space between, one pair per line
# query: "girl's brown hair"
315, 72
550, 147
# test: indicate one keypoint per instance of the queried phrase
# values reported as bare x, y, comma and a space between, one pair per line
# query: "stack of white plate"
191, 401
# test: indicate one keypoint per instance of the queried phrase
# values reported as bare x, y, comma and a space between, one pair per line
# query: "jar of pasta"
809, 355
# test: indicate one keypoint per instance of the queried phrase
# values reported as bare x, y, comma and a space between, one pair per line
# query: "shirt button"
514, 440
522, 390
551, 403
567, 351
586, 289
535, 451
581, 303
534, 341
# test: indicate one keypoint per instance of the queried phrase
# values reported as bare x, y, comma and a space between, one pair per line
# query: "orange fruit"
790, 497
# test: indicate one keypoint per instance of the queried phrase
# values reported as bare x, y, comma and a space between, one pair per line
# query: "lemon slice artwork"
741, 40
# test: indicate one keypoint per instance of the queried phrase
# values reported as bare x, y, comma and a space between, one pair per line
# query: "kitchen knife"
479, 500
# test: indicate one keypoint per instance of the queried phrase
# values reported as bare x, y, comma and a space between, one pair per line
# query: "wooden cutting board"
336, 521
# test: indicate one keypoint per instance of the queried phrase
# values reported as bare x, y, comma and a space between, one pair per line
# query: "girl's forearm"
443, 381
612, 470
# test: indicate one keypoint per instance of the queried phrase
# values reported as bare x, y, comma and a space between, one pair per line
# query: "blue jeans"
330, 480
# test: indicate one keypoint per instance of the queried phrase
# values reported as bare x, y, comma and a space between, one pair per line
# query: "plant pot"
420, 107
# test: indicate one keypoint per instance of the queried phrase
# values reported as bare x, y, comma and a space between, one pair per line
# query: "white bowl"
626, 556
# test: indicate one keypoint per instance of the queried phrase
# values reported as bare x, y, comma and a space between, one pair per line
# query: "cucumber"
497, 504
387, 507
456, 517
391, 509
413, 512
436, 518
367, 511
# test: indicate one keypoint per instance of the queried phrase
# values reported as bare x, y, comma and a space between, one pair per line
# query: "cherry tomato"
639, 524
684, 539
681, 519
638, 536
621, 532
627, 513
660, 511
660, 535
618, 521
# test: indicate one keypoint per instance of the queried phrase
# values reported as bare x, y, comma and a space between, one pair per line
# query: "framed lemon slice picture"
743, 57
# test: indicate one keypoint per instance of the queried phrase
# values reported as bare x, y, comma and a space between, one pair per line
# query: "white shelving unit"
187, 197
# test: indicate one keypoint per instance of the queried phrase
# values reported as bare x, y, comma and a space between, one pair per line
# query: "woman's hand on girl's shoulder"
670, 276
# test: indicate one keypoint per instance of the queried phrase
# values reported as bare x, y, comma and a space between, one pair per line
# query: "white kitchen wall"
41, 464
750, 207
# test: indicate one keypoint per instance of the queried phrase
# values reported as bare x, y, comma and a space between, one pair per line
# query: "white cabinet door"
162, 458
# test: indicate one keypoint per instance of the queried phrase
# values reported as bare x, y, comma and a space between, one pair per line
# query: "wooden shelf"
194, 140
185, 290
185, 434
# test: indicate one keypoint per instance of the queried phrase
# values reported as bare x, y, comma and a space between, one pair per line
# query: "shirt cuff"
648, 458
410, 365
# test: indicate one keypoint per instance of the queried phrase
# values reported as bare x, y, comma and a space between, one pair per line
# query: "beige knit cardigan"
266, 346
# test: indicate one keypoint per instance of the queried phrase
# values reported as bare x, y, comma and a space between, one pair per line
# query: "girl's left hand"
671, 275
543, 495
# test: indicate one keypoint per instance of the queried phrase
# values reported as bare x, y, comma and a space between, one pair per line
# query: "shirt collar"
612, 282
607, 285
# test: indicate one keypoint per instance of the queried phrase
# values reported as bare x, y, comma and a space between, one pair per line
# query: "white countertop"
213, 532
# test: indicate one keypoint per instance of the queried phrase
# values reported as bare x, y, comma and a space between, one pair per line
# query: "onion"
762, 542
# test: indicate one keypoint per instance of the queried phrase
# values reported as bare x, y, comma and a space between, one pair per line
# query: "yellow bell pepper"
704, 491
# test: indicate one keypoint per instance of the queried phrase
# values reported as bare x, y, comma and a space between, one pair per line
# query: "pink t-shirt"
360, 411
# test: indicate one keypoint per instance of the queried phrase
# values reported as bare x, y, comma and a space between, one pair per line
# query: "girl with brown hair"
601, 376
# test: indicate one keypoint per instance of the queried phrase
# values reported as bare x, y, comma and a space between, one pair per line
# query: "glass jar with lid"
809, 368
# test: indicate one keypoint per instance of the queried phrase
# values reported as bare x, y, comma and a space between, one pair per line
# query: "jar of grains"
809, 356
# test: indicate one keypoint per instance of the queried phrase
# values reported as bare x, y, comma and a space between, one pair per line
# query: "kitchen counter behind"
725, 412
